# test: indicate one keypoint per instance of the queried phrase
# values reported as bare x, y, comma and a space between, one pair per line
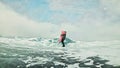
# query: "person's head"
63, 32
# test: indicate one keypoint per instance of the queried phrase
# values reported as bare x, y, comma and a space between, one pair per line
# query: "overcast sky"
82, 19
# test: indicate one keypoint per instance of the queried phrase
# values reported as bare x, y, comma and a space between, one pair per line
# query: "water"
47, 53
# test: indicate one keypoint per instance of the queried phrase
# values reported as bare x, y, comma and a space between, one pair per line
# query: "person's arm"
60, 39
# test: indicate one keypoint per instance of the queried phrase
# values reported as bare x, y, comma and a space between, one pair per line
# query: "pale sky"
82, 19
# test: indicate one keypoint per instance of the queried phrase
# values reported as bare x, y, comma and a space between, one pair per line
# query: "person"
62, 38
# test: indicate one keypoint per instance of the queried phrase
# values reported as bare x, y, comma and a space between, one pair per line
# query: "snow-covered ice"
40, 52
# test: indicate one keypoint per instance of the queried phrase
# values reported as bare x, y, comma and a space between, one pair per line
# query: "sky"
82, 19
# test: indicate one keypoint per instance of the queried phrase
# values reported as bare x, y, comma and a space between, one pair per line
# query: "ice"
38, 50
73, 66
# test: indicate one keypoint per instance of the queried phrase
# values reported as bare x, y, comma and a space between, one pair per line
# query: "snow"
36, 50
